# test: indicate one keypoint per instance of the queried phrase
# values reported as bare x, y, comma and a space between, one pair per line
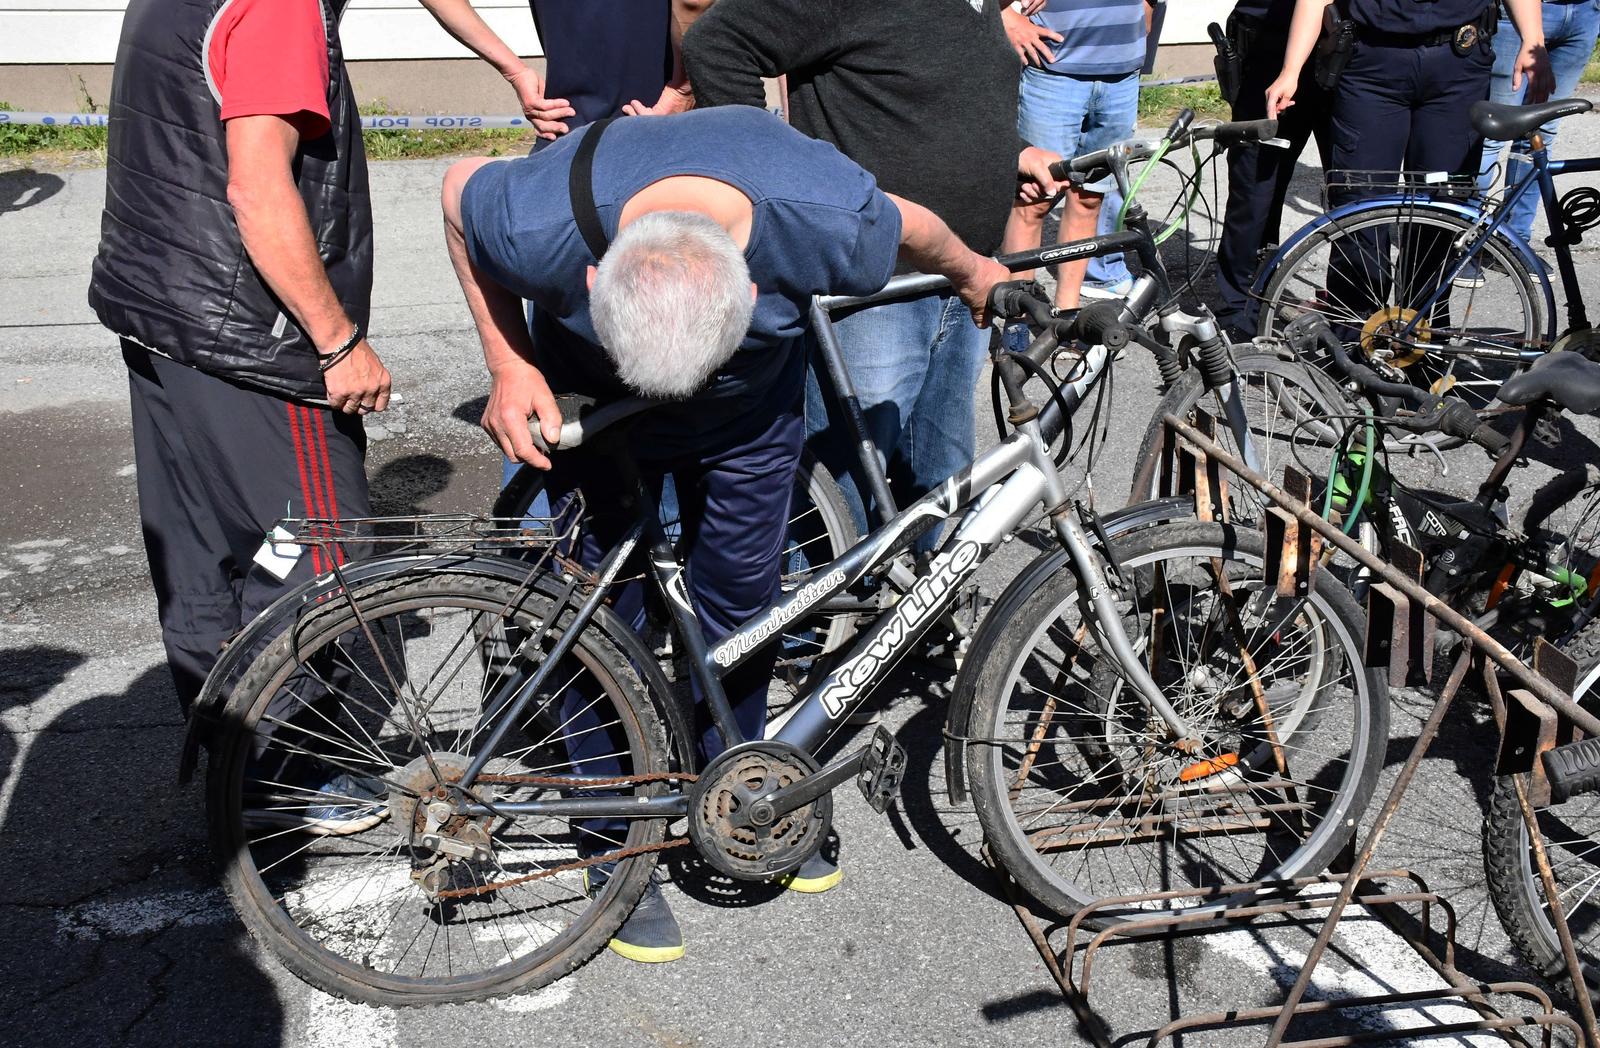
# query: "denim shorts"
1071, 115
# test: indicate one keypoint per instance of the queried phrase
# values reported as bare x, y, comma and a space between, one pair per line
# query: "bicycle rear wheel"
1373, 273
347, 726
1081, 795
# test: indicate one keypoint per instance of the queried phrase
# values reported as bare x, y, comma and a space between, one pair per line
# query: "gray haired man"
721, 225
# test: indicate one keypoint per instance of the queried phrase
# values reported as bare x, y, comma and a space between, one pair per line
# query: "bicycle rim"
1373, 275
1094, 804
343, 731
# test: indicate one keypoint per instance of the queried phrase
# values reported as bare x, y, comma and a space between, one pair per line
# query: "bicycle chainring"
720, 810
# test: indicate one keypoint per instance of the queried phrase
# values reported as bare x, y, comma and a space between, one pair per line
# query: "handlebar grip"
1100, 324
1572, 769
572, 406
1490, 439
1245, 131
1180, 125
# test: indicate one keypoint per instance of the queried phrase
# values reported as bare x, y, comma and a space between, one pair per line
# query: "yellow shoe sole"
645, 954
812, 885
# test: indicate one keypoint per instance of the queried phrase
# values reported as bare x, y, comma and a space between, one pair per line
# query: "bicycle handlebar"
1099, 323
1433, 413
1181, 132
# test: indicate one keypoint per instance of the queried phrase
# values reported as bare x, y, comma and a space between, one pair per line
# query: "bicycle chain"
576, 864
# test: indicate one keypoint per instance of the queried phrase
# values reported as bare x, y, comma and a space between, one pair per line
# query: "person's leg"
735, 523
1111, 118
1507, 42
1369, 126
1050, 116
886, 351
941, 437
191, 562
1570, 32
1258, 183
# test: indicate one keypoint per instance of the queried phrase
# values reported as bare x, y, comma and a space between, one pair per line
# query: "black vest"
172, 273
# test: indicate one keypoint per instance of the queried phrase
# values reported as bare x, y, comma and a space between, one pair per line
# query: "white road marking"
332, 1023
1389, 966
124, 918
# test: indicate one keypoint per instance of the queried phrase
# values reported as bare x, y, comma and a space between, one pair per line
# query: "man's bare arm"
518, 392
927, 243
1304, 28
277, 235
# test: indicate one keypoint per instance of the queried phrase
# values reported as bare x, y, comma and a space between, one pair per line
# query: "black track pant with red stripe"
218, 465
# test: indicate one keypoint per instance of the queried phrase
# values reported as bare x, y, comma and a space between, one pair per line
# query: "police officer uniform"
1259, 176
1414, 71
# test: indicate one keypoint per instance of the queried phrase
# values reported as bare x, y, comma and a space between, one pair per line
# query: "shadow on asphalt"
114, 930
27, 187
403, 487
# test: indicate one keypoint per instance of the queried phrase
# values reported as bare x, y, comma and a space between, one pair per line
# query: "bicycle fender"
280, 615
1529, 258
1121, 522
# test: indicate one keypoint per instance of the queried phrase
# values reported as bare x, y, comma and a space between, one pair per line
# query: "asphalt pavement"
112, 930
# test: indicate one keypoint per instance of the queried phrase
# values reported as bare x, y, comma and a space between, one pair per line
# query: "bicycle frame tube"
901, 288
1544, 169
1470, 214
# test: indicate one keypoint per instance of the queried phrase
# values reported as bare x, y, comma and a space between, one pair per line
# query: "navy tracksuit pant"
217, 465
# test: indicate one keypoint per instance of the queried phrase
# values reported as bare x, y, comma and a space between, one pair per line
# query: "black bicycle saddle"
1504, 123
1570, 379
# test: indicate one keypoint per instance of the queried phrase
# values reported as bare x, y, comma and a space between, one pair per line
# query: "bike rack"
1534, 714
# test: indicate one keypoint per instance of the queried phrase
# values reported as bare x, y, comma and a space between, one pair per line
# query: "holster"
1229, 61
1333, 48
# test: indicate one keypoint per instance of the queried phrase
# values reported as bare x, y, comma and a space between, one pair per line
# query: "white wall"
85, 31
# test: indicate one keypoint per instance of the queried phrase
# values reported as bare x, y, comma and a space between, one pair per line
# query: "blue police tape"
397, 122
413, 122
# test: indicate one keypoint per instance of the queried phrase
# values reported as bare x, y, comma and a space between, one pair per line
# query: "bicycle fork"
1107, 622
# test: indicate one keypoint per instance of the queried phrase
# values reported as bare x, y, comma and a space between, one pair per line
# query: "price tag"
279, 553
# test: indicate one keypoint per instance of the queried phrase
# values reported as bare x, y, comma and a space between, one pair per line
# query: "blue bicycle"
1419, 273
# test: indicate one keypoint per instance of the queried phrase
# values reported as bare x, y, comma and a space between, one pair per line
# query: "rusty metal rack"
1535, 713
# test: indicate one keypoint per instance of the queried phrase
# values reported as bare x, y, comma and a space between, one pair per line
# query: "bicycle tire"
1329, 612
1260, 375
1515, 887
1298, 278
241, 751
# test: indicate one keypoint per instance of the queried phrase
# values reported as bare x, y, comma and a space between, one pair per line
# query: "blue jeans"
1072, 115
914, 365
1570, 28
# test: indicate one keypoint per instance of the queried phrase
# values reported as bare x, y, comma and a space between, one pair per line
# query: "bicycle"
1424, 276
1538, 576
1200, 728
1191, 354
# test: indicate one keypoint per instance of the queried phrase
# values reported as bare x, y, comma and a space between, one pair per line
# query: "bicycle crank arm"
766, 809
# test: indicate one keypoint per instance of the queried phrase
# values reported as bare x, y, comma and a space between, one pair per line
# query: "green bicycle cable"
1366, 478
1144, 173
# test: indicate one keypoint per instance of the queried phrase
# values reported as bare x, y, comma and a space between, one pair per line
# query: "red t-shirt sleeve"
270, 58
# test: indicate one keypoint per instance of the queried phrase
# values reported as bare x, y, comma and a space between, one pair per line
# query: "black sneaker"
651, 934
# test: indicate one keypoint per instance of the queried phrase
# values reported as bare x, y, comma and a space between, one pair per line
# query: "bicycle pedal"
881, 770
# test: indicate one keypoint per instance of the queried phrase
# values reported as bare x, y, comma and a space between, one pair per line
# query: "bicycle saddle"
1503, 122
1570, 379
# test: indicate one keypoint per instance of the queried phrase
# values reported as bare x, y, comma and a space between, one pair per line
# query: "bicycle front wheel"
1081, 793
1293, 413
330, 784
1379, 277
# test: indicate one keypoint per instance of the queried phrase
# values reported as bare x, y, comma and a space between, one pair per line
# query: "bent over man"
235, 263
721, 225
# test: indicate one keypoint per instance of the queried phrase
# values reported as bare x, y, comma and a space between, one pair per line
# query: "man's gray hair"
671, 302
